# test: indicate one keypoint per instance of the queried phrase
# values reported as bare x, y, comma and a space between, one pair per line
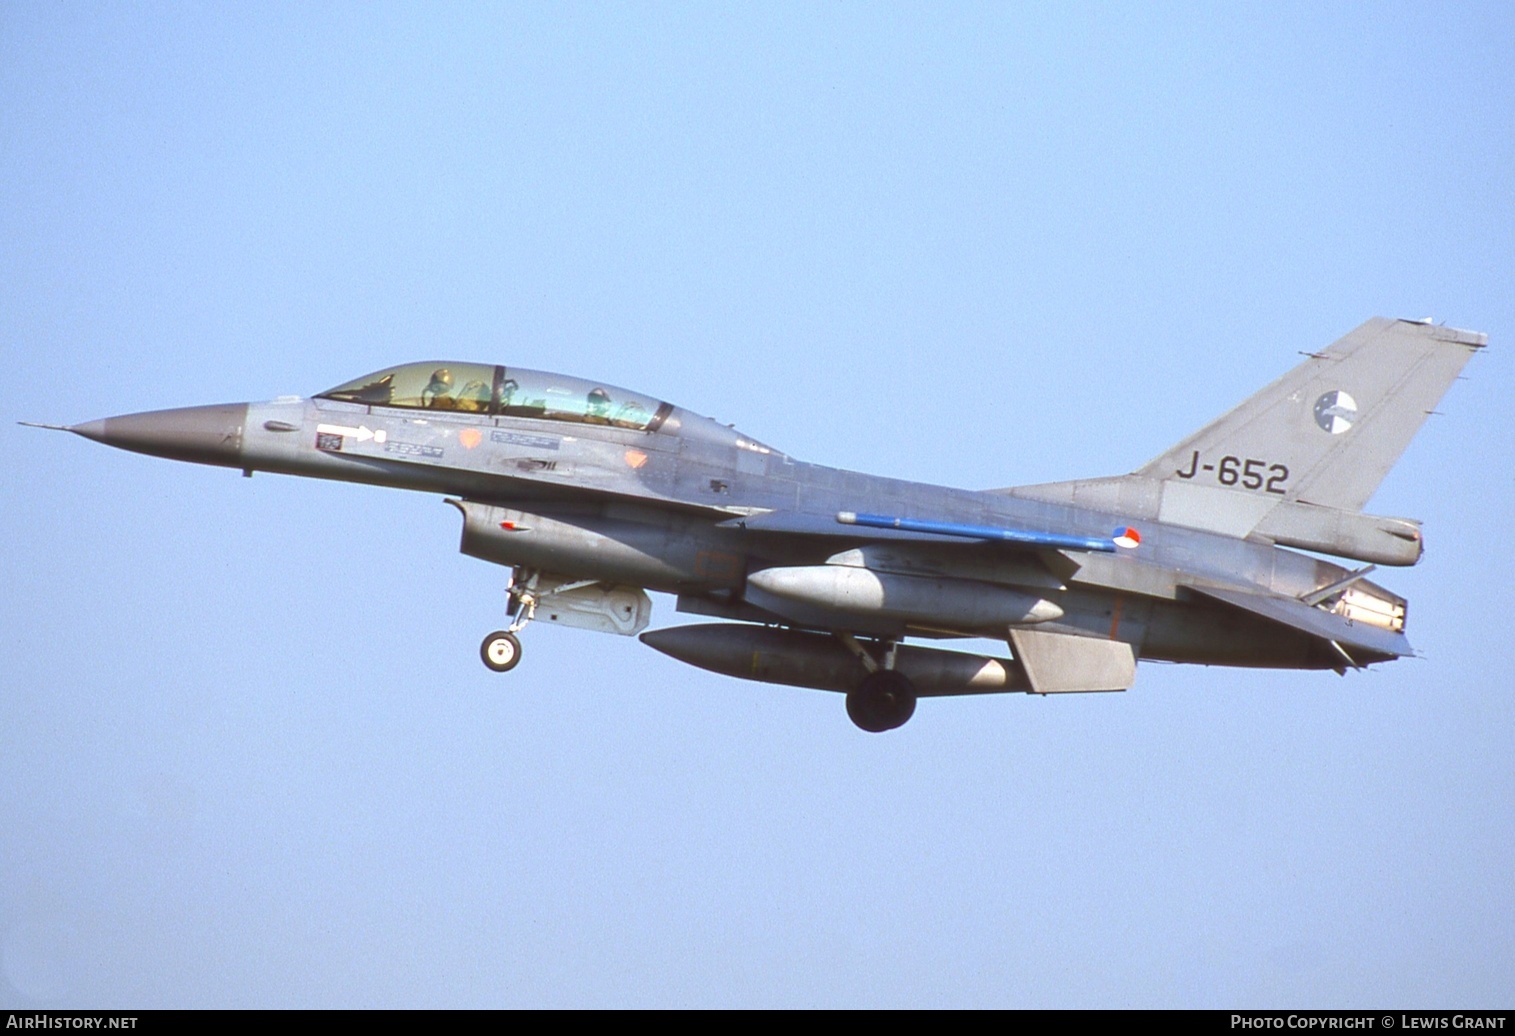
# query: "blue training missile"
1054, 540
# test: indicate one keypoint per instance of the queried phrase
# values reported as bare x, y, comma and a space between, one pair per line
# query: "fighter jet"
593, 495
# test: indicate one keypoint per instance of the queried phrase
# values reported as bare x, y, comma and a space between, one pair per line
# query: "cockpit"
503, 392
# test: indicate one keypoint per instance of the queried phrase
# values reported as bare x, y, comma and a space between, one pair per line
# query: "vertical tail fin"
1328, 432
1296, 462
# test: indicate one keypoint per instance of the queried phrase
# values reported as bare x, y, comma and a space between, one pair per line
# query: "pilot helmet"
439, 385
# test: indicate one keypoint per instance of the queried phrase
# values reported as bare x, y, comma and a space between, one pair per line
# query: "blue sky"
248, 755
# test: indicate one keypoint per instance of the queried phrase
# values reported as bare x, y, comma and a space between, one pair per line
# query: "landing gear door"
593, 606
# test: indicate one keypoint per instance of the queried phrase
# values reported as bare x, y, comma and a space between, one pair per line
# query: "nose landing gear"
501, 650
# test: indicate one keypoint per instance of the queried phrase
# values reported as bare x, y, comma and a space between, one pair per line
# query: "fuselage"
596, 483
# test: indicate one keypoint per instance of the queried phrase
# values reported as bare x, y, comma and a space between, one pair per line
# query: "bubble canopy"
502, 392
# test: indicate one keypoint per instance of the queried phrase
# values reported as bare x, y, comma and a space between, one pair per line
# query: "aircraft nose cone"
203, 434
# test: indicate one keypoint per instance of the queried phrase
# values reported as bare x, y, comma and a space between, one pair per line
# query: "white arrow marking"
362, 433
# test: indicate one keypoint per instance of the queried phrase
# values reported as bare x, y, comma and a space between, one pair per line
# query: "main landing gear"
885, 698
501, 650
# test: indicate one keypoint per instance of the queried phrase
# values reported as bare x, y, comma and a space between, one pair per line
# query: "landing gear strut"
885, 698
501, 650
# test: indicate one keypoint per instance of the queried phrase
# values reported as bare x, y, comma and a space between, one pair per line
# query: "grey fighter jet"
593, 495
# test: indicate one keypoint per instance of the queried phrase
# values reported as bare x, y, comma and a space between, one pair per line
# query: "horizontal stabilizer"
1315, 621
1056, 663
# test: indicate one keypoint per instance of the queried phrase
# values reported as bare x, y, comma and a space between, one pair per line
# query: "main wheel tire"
501, 651
884, 700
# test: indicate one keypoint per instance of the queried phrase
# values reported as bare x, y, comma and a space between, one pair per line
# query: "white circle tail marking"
1335, 412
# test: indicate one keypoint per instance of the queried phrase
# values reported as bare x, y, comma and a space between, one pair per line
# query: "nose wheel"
501, 651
